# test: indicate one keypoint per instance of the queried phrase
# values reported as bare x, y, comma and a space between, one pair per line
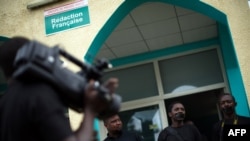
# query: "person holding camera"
34, 111
178, 130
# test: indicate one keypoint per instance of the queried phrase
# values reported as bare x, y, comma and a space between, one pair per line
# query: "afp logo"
241, 132
237, 132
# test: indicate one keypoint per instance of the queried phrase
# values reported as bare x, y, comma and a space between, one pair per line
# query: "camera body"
37, 62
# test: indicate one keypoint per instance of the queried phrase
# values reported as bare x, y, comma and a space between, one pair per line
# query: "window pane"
190, 71
135, 82
145, 121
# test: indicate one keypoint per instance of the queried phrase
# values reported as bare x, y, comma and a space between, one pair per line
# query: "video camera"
36, 61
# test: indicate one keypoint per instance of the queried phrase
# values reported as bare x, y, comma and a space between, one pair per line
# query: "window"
133, 79
169, 75
190, 71
145, 121
163, 79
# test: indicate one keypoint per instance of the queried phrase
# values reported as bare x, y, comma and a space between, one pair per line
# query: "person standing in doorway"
178, 130
227, 106
113, 125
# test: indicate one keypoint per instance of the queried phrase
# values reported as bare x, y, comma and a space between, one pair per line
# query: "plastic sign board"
66, 17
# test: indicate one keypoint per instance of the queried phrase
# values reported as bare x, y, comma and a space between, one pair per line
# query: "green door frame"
224, 40
3, 86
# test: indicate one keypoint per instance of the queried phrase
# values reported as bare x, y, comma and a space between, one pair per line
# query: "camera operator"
34, 111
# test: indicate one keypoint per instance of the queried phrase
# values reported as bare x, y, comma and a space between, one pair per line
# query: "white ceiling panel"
200, 34
122, 37
193, 21
104, 46
154, 26
161, 28
165, 41
130, 49
127, 22
182, 11
152, 12
106, 53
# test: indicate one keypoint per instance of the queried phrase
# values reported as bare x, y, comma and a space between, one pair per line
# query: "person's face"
227, 104
114, 124
178, 112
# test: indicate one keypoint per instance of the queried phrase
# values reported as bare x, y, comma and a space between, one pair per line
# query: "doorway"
130, 36
201, 109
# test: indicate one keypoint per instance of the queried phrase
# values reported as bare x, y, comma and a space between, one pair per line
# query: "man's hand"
97, 103
94, 104
112, 85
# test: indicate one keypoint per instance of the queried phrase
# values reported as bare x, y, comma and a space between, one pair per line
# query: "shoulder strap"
174, 132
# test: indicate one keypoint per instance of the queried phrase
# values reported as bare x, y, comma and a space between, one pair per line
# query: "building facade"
161, 50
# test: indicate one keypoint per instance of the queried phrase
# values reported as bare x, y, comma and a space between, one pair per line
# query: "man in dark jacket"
178, 130
115, 133
227, 106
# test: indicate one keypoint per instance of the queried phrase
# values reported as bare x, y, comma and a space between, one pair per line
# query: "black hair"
8, 51
224, 94
106, 118
171, 105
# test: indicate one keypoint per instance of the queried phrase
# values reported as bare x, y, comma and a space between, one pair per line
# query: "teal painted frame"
3, 38
4, 85
164, 52
234, 76
228, 53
